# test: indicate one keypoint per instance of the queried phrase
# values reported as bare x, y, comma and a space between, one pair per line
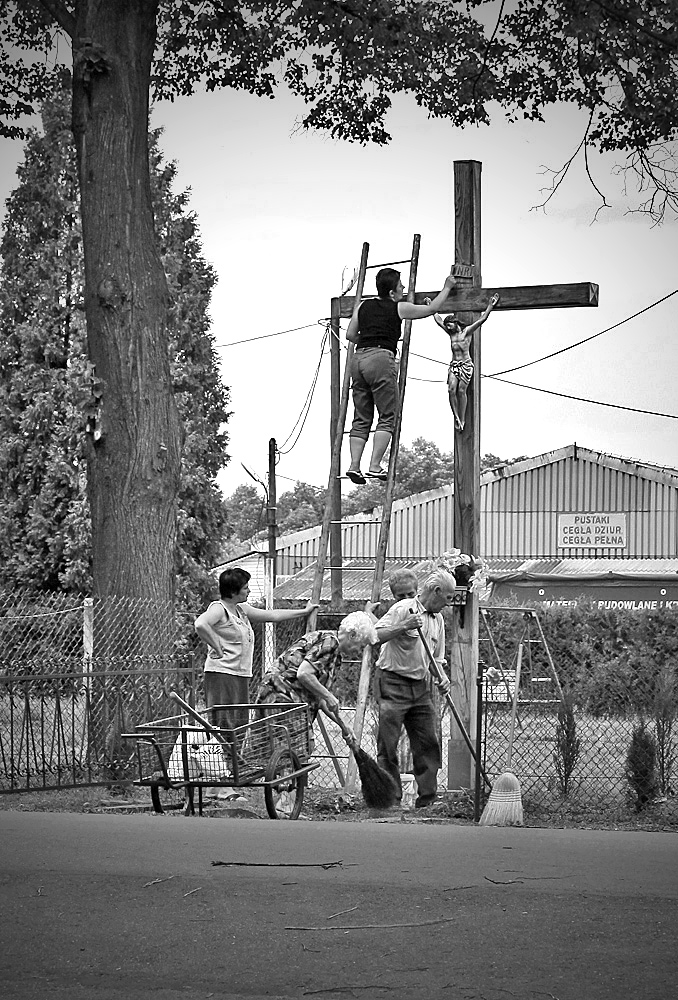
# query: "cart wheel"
284, 801
172, 799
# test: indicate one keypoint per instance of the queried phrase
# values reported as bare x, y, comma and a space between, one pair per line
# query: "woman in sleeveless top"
226, 628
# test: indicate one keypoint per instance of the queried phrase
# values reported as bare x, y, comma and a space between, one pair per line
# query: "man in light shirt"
404, 683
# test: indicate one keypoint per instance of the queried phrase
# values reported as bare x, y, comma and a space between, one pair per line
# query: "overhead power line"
265, 336
306, 407
507, 371
583, 399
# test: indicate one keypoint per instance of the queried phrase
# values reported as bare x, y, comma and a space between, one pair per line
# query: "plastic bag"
206, 759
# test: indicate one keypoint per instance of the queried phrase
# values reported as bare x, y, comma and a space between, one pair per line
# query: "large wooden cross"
468, 300
471, 298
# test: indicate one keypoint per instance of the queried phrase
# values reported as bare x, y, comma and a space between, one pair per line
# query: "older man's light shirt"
405, 654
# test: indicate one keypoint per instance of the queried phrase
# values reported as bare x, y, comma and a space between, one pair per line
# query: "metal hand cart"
271, 752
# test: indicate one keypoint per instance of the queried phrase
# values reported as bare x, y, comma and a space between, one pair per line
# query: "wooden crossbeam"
465, 298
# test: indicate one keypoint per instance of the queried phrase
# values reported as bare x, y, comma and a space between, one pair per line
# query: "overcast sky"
283, 216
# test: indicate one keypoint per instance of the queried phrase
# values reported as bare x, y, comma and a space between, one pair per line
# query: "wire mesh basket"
178, 751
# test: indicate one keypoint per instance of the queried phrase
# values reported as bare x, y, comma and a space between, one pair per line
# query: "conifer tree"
48, 388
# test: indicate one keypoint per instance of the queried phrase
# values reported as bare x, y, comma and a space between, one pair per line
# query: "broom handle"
346, 732
440, 675
514, 706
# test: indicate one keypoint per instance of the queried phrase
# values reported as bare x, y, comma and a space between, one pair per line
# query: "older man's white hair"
440, 578
359, 626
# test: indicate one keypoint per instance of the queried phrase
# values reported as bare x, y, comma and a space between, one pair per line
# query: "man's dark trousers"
409, 703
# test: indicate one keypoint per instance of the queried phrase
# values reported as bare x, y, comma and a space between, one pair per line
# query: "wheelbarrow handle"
189, 710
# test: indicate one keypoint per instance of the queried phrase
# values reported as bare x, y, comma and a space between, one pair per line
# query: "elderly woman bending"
307, 669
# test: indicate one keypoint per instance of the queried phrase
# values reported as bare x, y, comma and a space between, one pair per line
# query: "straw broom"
504, 806
378, 787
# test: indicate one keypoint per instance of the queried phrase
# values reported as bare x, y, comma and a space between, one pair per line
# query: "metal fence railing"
74, 674
61, 730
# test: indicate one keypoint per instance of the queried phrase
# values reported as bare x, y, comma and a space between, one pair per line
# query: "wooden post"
271, 512
334, 493
87, 641
464, 641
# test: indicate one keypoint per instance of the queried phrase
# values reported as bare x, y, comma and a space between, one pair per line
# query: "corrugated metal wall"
519, 514
420, 529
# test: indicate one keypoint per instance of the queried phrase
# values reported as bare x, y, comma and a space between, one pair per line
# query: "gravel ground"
331, 805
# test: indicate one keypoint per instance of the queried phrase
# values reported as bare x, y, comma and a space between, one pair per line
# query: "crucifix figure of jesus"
460, 372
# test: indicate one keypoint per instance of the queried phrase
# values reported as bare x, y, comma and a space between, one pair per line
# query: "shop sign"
592, 530
629, 595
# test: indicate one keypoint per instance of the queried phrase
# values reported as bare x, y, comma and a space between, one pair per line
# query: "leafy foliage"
421, 467
610, 663
300, 507
47, 386
616, 60
200, 396
45, 378
568, 745
641, 767
245, 514
347, 58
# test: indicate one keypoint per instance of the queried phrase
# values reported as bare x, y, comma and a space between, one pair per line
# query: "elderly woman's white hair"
358, 625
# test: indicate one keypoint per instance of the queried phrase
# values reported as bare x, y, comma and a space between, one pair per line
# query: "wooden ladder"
332, 516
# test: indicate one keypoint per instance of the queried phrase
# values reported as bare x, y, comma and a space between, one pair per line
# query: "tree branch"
665, 41
63, 17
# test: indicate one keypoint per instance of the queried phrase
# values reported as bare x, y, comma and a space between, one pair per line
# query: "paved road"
113, 907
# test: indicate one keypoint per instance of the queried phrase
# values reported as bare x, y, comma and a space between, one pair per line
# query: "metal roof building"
562, 524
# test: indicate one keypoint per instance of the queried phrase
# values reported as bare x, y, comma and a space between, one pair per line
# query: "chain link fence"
75, 674
590, 680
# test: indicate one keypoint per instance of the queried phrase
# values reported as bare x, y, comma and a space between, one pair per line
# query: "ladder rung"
390, 263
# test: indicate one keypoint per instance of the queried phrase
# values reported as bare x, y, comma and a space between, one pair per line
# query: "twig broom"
504, 806
378, 787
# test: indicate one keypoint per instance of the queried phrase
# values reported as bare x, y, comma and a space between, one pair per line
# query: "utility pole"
271, 560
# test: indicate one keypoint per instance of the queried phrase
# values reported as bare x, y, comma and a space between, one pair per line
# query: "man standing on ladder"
375, 329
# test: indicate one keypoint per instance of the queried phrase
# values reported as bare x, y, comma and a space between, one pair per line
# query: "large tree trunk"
134, 458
